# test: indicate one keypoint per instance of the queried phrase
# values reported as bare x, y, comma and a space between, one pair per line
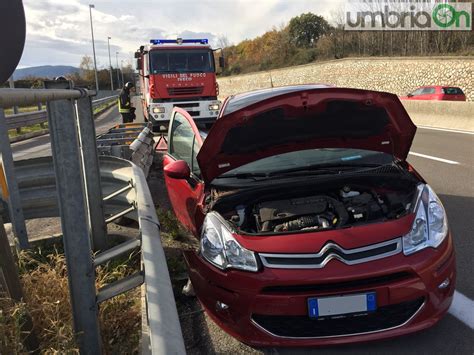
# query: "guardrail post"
11, 83
85, 122
74, 220
40, 107
14, 200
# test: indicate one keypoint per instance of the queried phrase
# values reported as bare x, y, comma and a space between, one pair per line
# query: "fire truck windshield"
181, 61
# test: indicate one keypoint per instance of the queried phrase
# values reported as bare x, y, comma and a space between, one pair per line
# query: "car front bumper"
269, 308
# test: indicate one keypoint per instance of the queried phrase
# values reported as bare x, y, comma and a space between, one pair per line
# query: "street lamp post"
91, 6
121, 71
118, 77
110, 65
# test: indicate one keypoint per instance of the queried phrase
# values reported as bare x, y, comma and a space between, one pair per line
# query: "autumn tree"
87, 69
306, 29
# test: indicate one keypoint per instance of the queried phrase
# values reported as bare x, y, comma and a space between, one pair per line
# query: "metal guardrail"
37, 117
88, 191
124, 185
131, 141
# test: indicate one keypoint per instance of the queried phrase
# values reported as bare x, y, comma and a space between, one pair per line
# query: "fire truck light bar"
179, 41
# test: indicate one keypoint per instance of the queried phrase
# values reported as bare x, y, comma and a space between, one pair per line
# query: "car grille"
187, 90
384, 318
332, 251
338, 286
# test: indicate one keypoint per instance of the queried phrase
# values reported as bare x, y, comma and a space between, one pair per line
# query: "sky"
59, 33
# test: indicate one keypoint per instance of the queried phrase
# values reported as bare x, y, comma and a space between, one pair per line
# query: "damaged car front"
314, 230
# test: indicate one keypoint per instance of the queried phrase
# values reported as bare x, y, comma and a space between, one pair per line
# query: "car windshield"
311, 159
181, 61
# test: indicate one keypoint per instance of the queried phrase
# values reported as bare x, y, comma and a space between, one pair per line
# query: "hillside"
44, 71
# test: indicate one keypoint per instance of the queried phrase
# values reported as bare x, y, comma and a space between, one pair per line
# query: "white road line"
463, 309
446, 130
434, 158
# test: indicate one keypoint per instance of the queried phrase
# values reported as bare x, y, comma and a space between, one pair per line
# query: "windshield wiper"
271, 174
243, 176
329, 168
195, 71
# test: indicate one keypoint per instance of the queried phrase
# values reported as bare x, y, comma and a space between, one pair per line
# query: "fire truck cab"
179, 73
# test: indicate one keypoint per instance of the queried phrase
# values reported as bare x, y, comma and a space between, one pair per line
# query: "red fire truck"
179, 73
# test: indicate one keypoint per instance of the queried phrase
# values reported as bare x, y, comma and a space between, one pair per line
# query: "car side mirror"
178, 169
410, 95
221, 62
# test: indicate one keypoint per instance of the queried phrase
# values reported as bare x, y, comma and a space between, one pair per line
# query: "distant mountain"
44, 71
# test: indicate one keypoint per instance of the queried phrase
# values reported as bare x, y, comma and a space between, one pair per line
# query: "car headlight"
214, 107
219, 247
430, 226
158, 109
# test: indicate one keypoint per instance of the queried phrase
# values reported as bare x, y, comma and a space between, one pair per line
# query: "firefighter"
125, 105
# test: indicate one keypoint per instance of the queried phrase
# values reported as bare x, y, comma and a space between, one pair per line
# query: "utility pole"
91, 6
118, 77
110, 65
121, 71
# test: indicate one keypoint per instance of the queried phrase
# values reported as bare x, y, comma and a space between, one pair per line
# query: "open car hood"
263, 123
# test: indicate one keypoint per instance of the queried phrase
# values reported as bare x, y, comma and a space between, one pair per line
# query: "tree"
306, 29
87, 69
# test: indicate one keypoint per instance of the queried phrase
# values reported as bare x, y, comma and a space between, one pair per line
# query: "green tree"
306, 29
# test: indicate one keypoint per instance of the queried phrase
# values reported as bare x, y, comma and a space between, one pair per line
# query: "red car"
314, 230
446, 93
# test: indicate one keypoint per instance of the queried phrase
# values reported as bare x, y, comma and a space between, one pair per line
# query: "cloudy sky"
58, 31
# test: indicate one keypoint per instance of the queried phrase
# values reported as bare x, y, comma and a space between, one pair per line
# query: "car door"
428, 93
184, 142
453, 94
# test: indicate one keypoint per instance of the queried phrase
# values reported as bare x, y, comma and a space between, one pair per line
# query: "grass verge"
27, 129
170, 225
45, 285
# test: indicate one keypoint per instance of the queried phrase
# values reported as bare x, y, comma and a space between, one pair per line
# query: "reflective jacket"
124, 103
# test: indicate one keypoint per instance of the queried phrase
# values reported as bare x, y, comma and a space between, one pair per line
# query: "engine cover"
286, 209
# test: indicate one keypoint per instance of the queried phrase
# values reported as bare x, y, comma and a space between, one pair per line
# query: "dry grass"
11, 318
46, 290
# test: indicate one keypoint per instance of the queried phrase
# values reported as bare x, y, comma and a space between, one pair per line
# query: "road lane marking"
463, 309
434, 158
446, 130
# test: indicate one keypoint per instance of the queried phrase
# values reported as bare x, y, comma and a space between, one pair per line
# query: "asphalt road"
40, 146
446, 160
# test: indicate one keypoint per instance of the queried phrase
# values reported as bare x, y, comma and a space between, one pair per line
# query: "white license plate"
332, 306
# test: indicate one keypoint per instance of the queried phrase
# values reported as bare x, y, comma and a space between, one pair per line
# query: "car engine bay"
322, 207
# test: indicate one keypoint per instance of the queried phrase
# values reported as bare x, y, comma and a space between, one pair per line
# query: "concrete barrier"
441, 114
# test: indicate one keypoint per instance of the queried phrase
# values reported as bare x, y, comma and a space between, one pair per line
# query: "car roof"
241, 101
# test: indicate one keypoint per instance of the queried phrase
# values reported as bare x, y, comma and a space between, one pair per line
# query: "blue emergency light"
179, 41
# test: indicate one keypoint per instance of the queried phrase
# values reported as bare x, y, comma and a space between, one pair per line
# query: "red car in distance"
445, 93
314, 229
